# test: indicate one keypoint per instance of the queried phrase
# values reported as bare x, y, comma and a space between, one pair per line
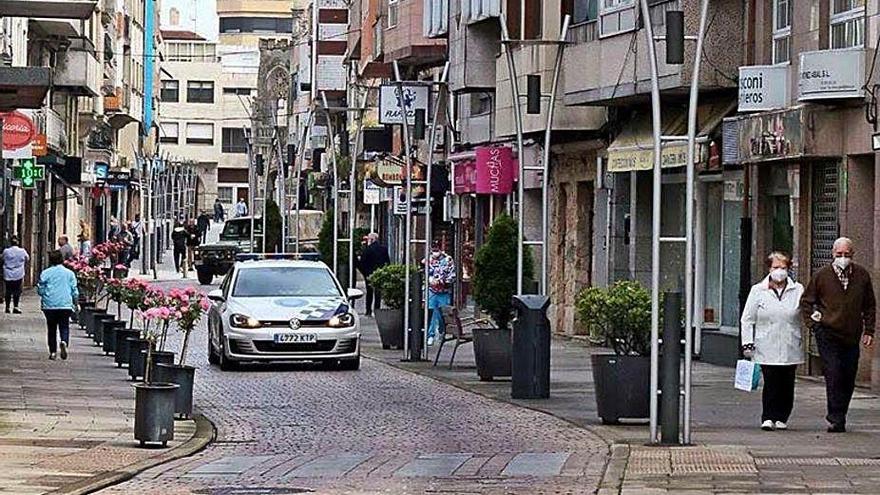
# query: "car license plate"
295, 338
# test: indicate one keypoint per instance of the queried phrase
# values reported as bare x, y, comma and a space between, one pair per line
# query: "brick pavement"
732, 455
65, 425
377, 430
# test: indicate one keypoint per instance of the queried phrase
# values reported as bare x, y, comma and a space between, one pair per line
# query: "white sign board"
827, 74
333, 32
763, 87
399, 201
330, 72
414, 97
372, 193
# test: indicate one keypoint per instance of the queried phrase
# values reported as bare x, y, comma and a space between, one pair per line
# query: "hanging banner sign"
494, 173
372, 193
414, 97
399, 201
465, 174
829, 74
19, 132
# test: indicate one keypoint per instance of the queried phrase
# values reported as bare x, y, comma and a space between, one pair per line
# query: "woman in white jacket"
771, 336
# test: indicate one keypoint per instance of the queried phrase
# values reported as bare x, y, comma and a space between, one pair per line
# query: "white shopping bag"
748, 375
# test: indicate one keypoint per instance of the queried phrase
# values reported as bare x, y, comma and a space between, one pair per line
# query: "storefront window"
722, 237
732, 235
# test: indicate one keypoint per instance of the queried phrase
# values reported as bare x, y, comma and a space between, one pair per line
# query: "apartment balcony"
50, 123
77, 70
405, 41
48, 9
23, 87
607, 64
119, 109
473, 54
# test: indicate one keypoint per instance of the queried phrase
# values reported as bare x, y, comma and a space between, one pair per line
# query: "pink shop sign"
465, 177
495, 170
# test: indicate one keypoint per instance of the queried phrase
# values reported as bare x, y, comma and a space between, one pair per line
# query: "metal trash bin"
531, 348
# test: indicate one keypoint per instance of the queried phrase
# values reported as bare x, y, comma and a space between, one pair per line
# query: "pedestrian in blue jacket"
58, 295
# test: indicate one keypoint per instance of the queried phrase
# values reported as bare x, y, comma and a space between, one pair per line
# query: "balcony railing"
49, 123
584, 32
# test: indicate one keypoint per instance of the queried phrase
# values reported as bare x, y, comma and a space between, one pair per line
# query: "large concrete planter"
390, 324
182, 376
123, 335
493, 353
623, 386
154, 413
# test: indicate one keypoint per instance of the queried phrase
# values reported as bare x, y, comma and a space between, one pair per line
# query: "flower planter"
100, 321
182, 376
120, 273
493, 351
122, 335
108, 344
91, 314
159, 357
390, 324
137, 357
154, 413
623, 386
84, 308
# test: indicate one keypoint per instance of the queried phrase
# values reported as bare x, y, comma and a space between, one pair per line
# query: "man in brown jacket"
839, 307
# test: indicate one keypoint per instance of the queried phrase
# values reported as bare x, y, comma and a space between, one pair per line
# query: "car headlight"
341, 320
242, 321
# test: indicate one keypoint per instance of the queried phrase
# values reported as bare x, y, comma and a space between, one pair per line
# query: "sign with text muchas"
763, 87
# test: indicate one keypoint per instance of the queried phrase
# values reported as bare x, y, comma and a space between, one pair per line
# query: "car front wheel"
226, 364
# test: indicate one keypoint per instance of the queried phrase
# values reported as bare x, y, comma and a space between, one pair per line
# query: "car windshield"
240, 229
285, 281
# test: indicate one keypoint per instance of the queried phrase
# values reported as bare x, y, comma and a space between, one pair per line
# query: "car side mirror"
216, 295
354, 294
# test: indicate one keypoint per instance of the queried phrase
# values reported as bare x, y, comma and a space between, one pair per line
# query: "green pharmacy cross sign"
28, 172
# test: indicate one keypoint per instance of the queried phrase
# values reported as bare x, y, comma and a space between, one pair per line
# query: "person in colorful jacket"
58, 295
441, 276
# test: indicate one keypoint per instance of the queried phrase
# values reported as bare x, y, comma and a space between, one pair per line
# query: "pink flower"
204, 304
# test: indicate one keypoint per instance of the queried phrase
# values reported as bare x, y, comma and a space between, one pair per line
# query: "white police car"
269, 308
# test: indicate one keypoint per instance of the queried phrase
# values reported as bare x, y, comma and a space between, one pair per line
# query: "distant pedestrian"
14, 260
241, 208
219, 212
58, 295
373, 257
771, 337
114, 230
441, 275
193, 241
84, 238
65, 248
178, 240
840, 308
137, 230
204, 225
127, 238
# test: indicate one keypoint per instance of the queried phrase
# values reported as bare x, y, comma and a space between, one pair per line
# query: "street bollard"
531, 348
416, 317
670, 397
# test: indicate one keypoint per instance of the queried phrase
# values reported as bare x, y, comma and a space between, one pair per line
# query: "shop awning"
634, 147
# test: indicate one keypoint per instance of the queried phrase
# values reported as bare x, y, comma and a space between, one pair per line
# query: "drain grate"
689, 461
252, 490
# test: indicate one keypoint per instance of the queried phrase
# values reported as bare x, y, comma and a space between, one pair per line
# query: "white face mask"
779, 274
842, 262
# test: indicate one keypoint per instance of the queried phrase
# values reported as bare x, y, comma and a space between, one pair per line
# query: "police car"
282, 308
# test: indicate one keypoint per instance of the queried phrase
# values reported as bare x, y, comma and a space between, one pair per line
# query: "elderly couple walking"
838, 306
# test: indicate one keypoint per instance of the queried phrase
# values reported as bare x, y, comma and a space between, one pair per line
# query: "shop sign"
763, 87
372, 193
414, 97
465, 174
40, 147
494, 174
734, 190
28, 172
399, 201
118, 179
828, 74
640, 158
18, 133
101, 171
771, 136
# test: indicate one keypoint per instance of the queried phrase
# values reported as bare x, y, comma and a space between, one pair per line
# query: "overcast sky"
199, 16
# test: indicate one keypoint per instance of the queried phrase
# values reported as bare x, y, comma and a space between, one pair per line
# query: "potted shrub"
621, 316
190, 305
154, 401
494, 285
389, 281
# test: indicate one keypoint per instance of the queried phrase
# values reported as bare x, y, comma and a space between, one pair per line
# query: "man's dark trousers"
373, 295
840, 362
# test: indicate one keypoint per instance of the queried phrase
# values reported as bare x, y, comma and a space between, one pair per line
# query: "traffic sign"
28, 172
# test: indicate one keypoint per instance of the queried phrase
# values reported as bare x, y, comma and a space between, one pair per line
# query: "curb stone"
205, 433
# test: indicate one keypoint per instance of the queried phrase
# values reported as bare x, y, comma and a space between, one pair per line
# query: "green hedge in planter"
620, 315
325, 243
390, 282
494, 281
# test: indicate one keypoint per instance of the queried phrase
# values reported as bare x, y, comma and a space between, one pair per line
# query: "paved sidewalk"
67, 426
731, 455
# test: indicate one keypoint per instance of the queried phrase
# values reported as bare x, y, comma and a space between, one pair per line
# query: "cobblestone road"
295, 429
